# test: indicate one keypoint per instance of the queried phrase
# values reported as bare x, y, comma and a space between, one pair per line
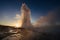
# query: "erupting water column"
26, 18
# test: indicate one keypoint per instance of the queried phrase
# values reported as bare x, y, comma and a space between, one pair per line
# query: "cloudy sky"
10, 10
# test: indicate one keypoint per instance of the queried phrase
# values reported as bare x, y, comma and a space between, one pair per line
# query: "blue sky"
9, 9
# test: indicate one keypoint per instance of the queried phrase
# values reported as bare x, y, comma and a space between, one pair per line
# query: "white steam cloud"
18, 20
45, 20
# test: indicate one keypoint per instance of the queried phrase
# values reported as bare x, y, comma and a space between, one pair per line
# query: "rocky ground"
21, 35
29, 34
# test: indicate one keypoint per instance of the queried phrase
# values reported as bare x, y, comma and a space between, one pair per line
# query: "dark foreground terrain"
47, 33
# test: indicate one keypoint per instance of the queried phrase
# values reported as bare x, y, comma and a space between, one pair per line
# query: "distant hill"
4, 28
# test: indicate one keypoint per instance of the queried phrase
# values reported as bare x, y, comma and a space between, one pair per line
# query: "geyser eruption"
25, 14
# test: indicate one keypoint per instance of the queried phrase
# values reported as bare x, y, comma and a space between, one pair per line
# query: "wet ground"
28, 34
